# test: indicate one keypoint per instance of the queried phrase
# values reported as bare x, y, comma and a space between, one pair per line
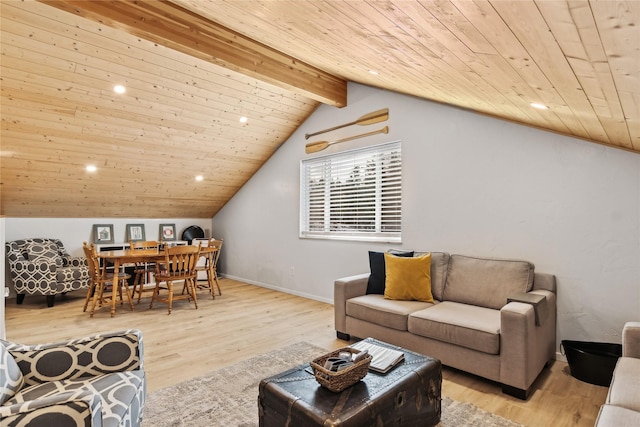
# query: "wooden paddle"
367, 119
314, 147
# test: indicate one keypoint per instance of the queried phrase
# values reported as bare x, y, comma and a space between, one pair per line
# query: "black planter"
592, 362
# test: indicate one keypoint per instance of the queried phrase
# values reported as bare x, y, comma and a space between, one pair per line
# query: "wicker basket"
338, 381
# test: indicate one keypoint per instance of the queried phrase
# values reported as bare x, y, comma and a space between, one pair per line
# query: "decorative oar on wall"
314, 147
367, 119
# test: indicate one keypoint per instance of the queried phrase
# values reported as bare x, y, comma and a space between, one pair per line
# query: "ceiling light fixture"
119, 89
91, 168
374, 72
539, 106
243, 119
199, 178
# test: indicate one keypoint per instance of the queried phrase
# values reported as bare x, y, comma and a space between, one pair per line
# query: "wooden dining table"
130, 256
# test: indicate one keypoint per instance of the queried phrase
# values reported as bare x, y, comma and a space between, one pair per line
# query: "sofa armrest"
89, 356
631, 340
80, 407
344, 289
524, 346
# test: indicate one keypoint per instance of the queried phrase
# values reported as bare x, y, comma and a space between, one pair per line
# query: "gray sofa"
94, 381
622, 407
469, 326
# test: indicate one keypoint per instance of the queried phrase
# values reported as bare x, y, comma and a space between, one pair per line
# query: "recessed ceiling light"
539, 106
374, 72
243, 119
91, 168
119, 89
199, 178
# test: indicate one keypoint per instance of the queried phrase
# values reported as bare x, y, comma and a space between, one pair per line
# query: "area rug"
229, 396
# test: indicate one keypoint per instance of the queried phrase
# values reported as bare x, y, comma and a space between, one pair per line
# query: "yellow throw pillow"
408, 279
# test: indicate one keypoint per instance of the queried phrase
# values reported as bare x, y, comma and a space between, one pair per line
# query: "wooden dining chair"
100, 279
210, 266
179, 265
143, 270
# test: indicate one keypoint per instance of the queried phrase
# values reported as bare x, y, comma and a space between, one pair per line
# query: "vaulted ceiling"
193, 68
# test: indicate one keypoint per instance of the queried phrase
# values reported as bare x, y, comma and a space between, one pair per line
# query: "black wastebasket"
592, 362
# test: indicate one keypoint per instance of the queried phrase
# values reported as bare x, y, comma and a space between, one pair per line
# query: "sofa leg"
50, 300
516, 392
343, 336
20, 298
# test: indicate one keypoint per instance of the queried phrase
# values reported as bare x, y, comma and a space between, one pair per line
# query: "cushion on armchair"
46, 251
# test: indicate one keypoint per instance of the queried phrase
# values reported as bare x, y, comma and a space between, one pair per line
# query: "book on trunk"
384, 359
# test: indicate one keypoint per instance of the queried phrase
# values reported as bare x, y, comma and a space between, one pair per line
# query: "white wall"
471, 185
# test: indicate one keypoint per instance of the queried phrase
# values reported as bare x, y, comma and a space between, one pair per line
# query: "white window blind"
353, 195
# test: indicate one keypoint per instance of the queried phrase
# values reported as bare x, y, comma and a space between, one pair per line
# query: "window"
353, 195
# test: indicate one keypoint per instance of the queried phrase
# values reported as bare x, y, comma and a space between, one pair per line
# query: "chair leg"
125, 284
215, 276
97, 295
193, 291
155, 294
170, 296
20, 298
90, 292
51, 299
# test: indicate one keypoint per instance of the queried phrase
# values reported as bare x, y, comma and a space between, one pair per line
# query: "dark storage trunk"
409, 395
592, 362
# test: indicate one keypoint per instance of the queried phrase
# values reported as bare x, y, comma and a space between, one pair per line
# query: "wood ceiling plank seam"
178, 67
252, 151
147, 107
619, 28
273, 113
490, 66
566, 21
494, 28
448, 62
275, 67
430, 72
535, 36
247, 156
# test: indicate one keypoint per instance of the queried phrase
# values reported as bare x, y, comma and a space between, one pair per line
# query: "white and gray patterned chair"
43, 267
92, 381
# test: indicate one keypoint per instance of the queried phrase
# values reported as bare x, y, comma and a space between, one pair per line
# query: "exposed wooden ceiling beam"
172, 26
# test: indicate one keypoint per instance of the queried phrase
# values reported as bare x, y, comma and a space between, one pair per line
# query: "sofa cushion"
477, 328
408, 279
118, 391
625, 384
617, 416
376, 282
439, 263
11, 379
486, 282
390, 313
46, 251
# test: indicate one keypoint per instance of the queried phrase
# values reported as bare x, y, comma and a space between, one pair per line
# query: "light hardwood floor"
248, 320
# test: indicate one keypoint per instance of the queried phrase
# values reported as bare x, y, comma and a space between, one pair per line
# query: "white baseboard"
560, 357
277, 288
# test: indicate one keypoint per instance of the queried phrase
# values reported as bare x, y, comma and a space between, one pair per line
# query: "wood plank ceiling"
180, 115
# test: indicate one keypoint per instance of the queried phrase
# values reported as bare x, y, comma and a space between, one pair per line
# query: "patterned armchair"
43, 267
93, 381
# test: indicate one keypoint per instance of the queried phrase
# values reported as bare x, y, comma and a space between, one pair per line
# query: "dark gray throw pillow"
378, 271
